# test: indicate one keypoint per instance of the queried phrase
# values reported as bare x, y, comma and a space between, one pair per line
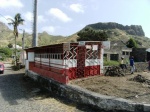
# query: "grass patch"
111, 63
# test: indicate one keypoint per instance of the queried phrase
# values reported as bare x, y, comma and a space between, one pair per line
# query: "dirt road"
23, 95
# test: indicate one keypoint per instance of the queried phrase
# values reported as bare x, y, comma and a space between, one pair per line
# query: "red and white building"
66, 61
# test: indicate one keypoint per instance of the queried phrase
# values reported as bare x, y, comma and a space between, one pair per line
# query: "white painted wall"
27, 65
101, 61
22, 57
92, 62
106, 44
30, 56
70, 63
30, 59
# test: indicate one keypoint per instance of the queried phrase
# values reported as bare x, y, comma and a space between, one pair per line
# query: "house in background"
17, 46
117, 50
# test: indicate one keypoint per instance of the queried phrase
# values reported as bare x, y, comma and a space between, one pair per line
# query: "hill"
131, 30
6, 36
115, 32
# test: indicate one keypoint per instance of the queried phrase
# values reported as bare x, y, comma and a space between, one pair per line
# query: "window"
127, 53
105, 55
123, 52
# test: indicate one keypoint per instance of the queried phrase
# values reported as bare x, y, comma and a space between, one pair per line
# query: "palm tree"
15, 23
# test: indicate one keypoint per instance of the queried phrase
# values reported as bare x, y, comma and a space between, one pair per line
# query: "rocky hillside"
131, 30
118, 32
3, 27
115, 32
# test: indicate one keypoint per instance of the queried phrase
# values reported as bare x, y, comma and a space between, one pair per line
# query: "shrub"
10, 45
15, 67
131, 43
3, 56
6, 51
111, 63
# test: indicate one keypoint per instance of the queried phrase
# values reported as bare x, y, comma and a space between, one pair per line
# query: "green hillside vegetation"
131, 43
46, 39
89, 34
5, 53
7, 37
116, 32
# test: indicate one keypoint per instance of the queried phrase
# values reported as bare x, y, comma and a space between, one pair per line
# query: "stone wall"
83, 96
141, 66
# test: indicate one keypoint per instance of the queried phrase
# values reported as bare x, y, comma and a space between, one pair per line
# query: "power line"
4, 17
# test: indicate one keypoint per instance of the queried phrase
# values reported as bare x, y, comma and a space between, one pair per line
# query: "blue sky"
66, 17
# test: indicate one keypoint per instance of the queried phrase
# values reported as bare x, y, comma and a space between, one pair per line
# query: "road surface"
19, 94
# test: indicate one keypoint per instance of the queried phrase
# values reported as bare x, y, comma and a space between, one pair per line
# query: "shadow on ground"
16, 86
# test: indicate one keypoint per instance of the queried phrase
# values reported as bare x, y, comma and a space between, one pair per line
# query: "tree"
15, 23
10, 45
131, 43
88, 34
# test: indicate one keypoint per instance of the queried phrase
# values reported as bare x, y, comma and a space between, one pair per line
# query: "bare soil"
118, 86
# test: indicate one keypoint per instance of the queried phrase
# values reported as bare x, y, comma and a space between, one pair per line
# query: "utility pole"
35, 35
23, 51
23, 47
23, 39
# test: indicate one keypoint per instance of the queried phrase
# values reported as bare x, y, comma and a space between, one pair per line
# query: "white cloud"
10, 3
29, 17
28, 30
41, 19
49, 29
59, 14
77, 8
